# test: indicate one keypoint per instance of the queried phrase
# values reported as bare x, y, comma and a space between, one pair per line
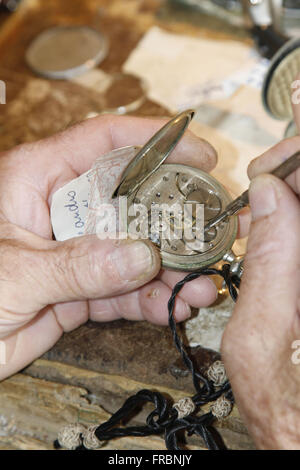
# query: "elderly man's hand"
261, 342
47, 287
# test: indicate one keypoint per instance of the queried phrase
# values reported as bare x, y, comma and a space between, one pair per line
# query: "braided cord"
164, 418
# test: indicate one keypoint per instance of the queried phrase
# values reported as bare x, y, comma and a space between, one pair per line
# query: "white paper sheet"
183, 71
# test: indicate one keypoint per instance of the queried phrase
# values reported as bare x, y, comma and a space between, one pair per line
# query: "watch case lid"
64, 52
153, 154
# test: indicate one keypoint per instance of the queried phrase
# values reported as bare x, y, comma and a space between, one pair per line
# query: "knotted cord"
166, 418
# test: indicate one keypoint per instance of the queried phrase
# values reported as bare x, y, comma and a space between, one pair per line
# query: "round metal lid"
283, 70
64, 52
153, 154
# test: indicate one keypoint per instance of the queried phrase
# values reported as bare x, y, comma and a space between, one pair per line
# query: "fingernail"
133, 260
188, 311
262, 196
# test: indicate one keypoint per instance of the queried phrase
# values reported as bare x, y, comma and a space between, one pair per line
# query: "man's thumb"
87, 267
273, 252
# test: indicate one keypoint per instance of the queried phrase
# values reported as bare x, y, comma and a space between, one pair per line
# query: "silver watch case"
150, 182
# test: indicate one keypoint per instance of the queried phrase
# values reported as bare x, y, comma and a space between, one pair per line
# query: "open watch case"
150, 186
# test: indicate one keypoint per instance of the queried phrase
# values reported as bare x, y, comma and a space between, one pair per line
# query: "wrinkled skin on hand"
257, 346
48, 287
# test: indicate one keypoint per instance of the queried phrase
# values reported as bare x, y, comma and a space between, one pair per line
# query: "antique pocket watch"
164, 202
163, 194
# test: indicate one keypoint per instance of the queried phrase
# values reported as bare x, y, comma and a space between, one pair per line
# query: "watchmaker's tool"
282, 172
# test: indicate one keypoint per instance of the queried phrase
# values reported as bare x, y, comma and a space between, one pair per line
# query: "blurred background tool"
275, 27
284, 14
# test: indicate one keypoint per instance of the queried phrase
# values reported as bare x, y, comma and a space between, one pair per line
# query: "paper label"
69, 207
76, 207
